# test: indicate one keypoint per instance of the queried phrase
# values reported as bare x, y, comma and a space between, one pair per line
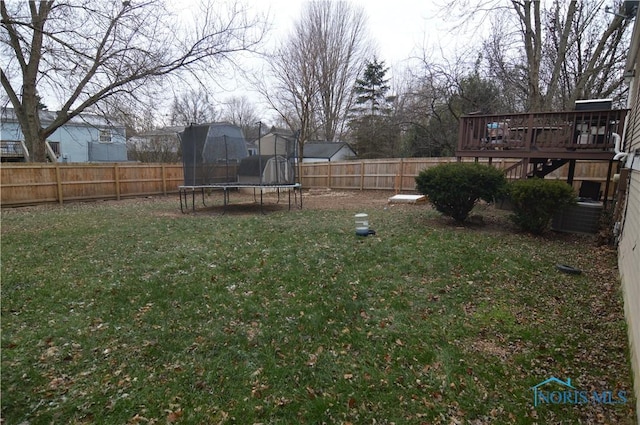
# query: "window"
55, 147
105, 136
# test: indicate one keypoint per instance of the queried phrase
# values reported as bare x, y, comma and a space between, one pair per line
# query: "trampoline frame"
184, 192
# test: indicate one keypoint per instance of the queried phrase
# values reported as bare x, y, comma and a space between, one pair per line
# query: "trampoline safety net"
217, 154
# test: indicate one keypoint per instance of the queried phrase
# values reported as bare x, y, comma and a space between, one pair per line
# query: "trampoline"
215, 159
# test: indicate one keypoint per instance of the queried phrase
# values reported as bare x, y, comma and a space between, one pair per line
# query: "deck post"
530, 133
524, 168
572, 171
606, 185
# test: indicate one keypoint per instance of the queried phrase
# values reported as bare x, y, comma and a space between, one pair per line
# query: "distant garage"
327, 152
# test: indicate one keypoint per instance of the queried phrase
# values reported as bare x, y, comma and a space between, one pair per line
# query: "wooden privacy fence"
387, 174
28, 184
399, 174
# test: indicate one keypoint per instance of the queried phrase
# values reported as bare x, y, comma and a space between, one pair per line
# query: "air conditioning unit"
593, 105
583, 217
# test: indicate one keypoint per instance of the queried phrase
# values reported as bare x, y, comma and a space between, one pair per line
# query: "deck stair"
533, 167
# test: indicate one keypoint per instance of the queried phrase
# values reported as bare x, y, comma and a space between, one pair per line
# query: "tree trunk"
27, 112
29, 119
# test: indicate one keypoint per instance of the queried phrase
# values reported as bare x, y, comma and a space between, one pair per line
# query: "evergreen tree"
372, 89
374, 133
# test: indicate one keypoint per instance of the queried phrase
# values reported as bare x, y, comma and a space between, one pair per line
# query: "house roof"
285, 134
164, 131
323, 149
85, 119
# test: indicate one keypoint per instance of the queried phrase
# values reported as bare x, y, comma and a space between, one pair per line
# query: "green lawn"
130, 312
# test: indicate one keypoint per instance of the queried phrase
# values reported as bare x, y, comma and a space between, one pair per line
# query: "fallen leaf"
351, 403
174, 416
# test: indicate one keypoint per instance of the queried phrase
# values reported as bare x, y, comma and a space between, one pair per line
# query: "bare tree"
556, 52
83, 52
158, 147
438, 93
338, 31
238, 110
192, 107
315, 68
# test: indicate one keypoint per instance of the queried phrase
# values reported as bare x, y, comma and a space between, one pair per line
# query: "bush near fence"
29, 184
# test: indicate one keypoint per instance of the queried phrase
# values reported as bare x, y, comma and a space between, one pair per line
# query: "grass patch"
131, 313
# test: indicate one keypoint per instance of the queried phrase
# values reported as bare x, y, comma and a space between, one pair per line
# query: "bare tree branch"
85, 52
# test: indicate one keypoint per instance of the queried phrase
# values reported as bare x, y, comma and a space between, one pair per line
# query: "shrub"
454, 188
536, 200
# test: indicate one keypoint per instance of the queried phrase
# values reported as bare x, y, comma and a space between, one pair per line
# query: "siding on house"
276, 144
632, 135
629, 243
86, 138
629, 265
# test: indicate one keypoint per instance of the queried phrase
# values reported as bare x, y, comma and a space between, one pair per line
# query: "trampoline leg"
180, 191
261, 202
203, 203
225, 200
295, 196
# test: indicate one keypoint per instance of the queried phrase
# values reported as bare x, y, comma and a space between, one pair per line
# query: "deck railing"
542, 131
12, 149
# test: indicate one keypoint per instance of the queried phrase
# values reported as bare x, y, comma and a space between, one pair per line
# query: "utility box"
583, 217
594, 105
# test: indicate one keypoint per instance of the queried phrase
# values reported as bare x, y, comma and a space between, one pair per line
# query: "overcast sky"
398, 27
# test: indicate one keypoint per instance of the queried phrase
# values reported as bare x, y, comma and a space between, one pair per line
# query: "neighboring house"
159, 145
629, 213
315, 151
85, 138
276, 142
166, 137
252, 148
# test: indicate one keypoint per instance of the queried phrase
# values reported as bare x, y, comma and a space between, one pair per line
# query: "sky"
396, 26
399, 29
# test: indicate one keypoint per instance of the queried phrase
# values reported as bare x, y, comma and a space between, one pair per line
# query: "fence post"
59, 184
117, 178
164, 180
361, 175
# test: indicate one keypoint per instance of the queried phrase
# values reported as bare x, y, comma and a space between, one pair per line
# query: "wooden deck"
12, 151
571, 135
